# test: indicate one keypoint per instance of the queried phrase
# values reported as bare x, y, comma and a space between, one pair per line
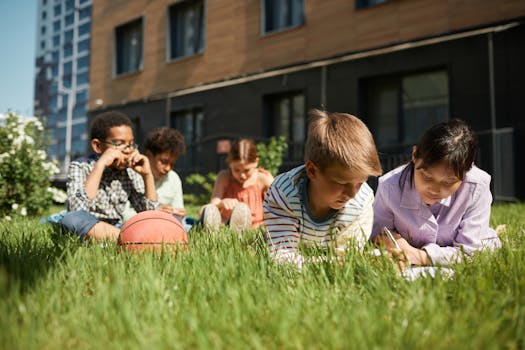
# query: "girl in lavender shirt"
438, 205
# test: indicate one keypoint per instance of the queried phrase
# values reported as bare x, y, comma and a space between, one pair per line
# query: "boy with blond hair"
326, 201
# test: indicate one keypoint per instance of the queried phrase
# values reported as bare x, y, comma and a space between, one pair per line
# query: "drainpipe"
492, 93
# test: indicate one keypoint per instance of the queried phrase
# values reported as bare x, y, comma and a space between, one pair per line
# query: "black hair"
162, 140
103, 122
452, 143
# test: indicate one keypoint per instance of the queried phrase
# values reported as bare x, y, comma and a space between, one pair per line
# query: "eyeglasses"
121, 146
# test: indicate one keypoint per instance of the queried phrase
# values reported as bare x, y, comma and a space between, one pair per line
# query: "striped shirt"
289, 222
116, 188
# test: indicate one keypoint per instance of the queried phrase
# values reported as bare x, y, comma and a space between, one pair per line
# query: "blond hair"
341, 138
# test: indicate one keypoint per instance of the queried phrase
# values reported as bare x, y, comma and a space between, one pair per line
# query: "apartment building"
62, 75
222, 69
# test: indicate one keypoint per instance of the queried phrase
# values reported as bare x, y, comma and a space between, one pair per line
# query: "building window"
190, 124
82, 96
42, 45
82, 78
282, 14
84, 13
57, 10
67, 68
56, 40
83, 46
44, 15
68, 50
286, 117
43, 30
359, 4
70, 5
83, 62
84, 29
400, 108
129, 47
186, 22
56, 26
69, 19
68, 36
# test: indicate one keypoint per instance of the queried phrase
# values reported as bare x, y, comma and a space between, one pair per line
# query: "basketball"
153, 231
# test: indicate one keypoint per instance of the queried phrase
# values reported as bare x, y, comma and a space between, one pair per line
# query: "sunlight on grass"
225, 292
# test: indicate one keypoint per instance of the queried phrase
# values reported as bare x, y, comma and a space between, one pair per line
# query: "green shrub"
205, 184
24, 170
271, 154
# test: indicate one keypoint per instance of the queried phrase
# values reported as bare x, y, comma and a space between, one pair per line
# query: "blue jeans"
79, 222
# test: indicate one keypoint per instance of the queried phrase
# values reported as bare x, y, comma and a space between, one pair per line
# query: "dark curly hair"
103, 122
162, 140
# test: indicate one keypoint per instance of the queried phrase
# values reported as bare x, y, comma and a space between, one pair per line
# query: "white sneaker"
241, 218
211, 218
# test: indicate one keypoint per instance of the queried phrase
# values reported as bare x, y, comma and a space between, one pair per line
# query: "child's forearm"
149, 187
93, 180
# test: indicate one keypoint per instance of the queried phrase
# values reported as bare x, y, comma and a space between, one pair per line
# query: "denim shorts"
79, 222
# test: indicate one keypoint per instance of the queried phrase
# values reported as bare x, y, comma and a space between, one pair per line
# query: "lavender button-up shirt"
456, 226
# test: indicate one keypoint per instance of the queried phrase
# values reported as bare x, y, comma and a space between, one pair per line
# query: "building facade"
62, 75
223, 69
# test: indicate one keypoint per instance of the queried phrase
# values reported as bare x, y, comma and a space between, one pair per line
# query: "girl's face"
161, 163
435, 182
243, 171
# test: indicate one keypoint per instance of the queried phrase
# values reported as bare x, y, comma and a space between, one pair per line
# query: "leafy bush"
205, 184
271, 154
24, 171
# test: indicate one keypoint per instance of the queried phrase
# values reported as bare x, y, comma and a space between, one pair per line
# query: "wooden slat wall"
234, 45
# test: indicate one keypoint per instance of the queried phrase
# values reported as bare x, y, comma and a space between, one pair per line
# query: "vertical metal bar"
492, 94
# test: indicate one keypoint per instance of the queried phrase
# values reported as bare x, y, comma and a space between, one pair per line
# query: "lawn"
226, 293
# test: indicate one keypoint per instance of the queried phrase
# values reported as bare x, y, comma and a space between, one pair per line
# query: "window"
56, 26
66, 80
43, 30
56, 40
44, 15
69, 19
55, 56
57, 10
42, 44
68, 36
82, 78
359, 4
83, 62
186, 21
282, 14
84, 29
68, 50
286, 117
129, 47
82, 96
84, 13
400, 108
189, 123
67, 68
83, 46
70, 5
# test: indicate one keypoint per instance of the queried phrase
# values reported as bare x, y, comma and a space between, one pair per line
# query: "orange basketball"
152, 230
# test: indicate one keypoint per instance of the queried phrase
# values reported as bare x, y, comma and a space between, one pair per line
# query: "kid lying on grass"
438, 205
326, 201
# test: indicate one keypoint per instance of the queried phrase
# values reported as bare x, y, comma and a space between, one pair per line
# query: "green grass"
226, 293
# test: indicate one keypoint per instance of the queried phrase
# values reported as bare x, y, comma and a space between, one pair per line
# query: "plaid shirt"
115, 189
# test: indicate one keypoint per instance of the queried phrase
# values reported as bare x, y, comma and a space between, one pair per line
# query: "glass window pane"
129, 47
186, 29
281, 14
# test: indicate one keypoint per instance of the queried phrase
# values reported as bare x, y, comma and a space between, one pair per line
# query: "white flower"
2, 156
10, 136
14, 206
7, 218
23, 211
41, 154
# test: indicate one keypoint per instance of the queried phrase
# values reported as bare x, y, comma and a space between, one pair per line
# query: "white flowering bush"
24, 169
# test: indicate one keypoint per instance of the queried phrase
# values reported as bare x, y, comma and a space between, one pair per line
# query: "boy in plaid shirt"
99, 186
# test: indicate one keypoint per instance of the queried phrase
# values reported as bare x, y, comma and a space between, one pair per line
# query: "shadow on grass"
28, 250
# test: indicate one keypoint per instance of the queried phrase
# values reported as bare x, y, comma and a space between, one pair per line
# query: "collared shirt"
456, 226
289, 221
116, 188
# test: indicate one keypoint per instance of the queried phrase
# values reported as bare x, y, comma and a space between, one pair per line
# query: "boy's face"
161, 163
331, 187
120, 138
